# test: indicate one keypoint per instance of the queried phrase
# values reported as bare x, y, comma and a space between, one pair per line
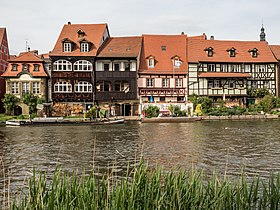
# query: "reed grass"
143, 188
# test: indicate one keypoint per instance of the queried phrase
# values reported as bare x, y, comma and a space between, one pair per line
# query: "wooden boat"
114, 121
17, 122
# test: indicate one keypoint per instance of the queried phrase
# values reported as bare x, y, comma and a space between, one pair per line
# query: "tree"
151, 111
9, 101
31, 101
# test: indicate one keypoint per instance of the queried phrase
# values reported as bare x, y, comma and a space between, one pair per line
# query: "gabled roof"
164, 48
30, 58
121, 47
276, 51
92, 32
196, 51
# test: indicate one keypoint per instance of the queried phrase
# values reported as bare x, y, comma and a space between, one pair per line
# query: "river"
232, 146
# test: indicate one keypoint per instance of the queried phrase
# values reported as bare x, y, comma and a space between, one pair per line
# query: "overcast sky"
40, 22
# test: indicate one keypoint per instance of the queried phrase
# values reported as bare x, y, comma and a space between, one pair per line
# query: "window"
126, 66
260, 68
83, 86
162, 99
247, 68
209, 51
116, 67
266, 84
151, 63
210, 84
232, 53
25, 67
163, 48
14, 88
211, 67
36, 67
67, 47
179, 82
216, 83
165, 82
234, 68
254, 54
103, 86
254, 84
62, 87
177, 63
25, 88
36, 87
106, 66
62, 65
223, 68
84, 47
150, 82
14, 67
82, 65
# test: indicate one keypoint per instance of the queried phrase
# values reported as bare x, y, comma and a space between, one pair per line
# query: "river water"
232, 146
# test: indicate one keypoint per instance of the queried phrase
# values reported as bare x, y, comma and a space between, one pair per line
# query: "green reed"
143, 188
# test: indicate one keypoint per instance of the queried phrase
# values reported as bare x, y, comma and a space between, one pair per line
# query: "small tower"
262, 34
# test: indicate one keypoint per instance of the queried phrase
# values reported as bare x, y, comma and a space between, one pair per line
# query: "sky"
38, 23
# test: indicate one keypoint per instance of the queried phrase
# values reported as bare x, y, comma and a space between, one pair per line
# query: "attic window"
36, 67
209, 51
14, 67
232, 52
163, 48
81, 33
84, 47
66, 47
151, 61
176, 61
25, 67
254, 52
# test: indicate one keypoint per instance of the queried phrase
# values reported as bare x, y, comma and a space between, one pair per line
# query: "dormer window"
163, 48
209, 51
25, 67
14, 67
84, 47
176, 61
254, 52
67, 47
232, 52
81, 33
151, 61
36, 67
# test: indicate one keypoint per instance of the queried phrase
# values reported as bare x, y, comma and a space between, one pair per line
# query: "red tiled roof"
121, 47
30, 58
93, 33
275, 50
223, 75
197, 53
152, 45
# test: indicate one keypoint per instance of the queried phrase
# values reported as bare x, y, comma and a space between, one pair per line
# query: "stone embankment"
241, 117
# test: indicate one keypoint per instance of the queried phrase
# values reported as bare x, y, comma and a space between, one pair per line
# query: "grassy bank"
142, 189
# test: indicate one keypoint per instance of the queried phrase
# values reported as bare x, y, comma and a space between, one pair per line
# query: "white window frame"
247, 68
67, 47
82, 65
149, 82
62, 87
14, 87
151, 63
217, 84
25, 88
210, 84
36, 87
179, 82
62, 65
14, 67
83, 87
84, 47
211, 67
224, 68
165, 82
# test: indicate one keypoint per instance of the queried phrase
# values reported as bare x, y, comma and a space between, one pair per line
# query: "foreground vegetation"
149, 189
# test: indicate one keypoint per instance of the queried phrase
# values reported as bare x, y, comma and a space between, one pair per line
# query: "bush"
151, 111
9, 101
92, 112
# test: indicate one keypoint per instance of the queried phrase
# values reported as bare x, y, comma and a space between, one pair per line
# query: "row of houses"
87, 66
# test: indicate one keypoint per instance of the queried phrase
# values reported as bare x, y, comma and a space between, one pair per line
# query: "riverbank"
144, 188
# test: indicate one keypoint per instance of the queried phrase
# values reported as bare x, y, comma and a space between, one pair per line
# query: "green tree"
10, 101
151, 111
267, 103
31, 101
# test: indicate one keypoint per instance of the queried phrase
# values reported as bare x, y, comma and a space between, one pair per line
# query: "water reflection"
252, 146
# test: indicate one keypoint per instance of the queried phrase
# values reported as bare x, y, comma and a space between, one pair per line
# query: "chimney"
69, 23
211, 37
28, 49
182, 33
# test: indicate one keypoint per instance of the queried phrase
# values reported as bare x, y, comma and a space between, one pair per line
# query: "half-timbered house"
228, 69
276, 52
73, 58
4, 56
116, 75
163, 69
26, 74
